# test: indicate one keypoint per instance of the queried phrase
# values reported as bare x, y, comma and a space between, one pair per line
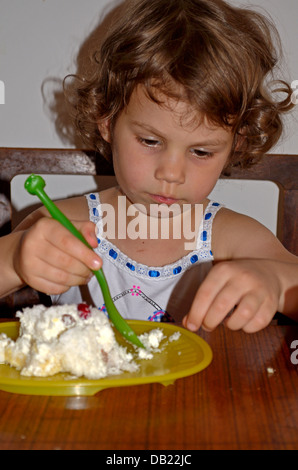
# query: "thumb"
88, 230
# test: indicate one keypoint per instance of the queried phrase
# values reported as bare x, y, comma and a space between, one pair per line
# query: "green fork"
35, 185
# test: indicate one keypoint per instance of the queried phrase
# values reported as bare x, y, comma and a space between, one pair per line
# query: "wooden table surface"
245, 399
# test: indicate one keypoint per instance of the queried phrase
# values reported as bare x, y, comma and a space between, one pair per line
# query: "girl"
178, 93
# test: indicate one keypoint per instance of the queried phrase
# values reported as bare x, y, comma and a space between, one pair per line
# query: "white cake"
76, 339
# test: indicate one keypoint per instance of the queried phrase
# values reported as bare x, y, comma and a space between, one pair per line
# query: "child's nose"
171, 168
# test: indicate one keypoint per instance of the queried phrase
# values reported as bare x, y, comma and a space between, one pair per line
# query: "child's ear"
104, 127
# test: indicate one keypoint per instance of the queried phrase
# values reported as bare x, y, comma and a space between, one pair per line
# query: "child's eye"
203, 154
148, 142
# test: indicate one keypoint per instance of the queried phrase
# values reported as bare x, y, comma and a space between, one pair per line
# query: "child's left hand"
244, 293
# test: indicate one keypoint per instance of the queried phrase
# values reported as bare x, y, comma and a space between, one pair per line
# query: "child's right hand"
51, 260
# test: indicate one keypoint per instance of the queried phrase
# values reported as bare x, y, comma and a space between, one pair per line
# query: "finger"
68, 244
261, 320
58, 236
221, 306
88, 230
50, 287
42, 272
62, 278
245, 311
204, 298
61, 262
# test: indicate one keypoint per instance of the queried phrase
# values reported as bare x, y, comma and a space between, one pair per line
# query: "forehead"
162, 110
153, 100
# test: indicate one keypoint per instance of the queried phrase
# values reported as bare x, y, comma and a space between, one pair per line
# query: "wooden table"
246, 399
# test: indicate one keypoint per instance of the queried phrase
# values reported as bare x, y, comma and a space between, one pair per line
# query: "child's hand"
250, 285
50, 259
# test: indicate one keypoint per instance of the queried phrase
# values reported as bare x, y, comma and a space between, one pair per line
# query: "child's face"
161, 155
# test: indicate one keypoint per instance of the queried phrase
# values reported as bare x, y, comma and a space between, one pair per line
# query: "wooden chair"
281, 169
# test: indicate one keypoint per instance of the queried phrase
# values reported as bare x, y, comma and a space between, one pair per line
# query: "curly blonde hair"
221, 56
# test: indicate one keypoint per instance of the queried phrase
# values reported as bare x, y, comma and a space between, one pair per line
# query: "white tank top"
153, 293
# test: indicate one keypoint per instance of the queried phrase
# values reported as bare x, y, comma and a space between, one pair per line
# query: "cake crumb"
175, 336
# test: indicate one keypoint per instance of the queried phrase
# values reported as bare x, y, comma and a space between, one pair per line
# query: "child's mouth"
163, 199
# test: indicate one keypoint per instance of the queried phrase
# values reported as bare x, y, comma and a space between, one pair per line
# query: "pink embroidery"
135, 290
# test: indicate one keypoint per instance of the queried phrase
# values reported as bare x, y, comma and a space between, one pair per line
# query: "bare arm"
9, 280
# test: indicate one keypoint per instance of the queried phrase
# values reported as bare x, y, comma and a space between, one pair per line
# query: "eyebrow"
209, 143
146, 127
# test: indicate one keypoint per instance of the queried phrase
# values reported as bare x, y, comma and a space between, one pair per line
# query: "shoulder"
75, 208
236, 235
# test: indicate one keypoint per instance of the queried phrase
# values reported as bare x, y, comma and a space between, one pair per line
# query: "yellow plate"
186, 356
